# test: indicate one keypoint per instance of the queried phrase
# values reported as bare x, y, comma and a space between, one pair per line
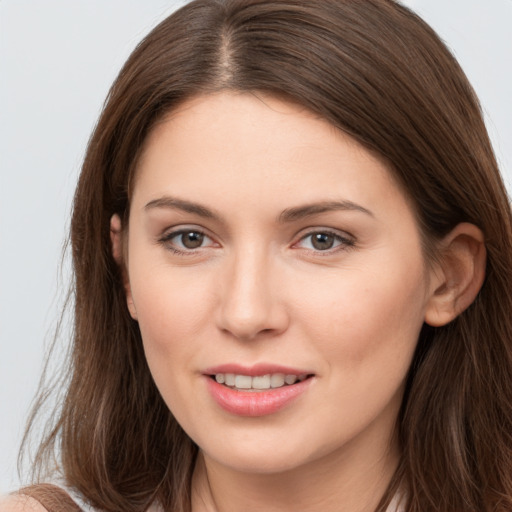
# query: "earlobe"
116, 239
459, 274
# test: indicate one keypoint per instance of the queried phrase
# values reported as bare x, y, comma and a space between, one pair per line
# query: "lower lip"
255, 403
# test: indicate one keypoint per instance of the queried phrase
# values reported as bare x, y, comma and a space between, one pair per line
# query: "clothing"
50, 498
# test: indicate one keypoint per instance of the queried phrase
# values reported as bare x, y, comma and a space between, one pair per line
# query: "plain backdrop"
57, 61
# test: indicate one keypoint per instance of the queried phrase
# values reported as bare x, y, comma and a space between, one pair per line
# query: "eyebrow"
180, 204
301, 212
288, 215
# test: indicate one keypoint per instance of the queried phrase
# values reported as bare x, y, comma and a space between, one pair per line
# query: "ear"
116, 239
458, 276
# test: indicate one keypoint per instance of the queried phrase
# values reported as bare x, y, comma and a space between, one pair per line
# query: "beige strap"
51, 497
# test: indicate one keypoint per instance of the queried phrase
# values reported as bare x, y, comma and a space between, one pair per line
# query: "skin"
258, 291
20, 504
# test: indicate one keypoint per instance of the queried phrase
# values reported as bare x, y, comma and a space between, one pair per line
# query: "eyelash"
166, 241
344, 242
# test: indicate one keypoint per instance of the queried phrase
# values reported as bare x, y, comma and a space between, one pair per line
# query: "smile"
258, 390
257, 382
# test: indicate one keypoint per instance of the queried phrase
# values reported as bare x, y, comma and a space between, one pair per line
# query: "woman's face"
276, 272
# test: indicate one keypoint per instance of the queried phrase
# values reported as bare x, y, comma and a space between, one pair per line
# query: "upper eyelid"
303, 233
168, 234
171, 231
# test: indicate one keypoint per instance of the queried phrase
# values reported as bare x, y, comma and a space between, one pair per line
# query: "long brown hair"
376, 71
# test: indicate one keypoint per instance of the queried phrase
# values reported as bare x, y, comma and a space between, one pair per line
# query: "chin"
272, 455
265, 462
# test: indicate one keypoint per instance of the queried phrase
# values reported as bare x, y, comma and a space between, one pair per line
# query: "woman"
292, 255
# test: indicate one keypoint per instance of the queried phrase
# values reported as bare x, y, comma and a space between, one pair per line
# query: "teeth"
243, 382
259, 382
262, 382
277, 380
290, 379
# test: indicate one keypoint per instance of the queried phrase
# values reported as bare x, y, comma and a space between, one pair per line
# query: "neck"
350, 480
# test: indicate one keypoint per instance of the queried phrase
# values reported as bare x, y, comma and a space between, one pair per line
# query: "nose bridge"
250, 302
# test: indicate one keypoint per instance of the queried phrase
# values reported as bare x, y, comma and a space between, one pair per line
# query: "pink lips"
254, 403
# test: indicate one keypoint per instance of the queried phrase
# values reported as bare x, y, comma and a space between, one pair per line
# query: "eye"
324, 241
186, 240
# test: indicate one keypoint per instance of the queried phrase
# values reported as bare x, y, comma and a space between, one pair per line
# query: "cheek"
171, 307
364, 317
171, 310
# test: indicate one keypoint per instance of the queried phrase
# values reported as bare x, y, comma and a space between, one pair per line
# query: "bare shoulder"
20, 503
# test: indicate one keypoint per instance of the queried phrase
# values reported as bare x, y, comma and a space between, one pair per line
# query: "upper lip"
255, 370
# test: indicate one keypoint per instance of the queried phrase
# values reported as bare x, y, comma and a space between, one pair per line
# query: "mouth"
255, 383
257, 390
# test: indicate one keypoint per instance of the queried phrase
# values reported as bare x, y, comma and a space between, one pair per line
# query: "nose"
251, 304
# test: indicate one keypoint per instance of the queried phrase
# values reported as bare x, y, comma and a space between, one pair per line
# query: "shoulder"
20, 503
42, 497
52, 498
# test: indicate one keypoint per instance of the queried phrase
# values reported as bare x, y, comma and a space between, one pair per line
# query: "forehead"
247, 145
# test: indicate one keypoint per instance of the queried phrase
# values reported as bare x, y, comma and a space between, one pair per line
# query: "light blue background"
57, 61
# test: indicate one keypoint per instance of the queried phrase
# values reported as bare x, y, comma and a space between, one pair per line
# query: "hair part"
377, 72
